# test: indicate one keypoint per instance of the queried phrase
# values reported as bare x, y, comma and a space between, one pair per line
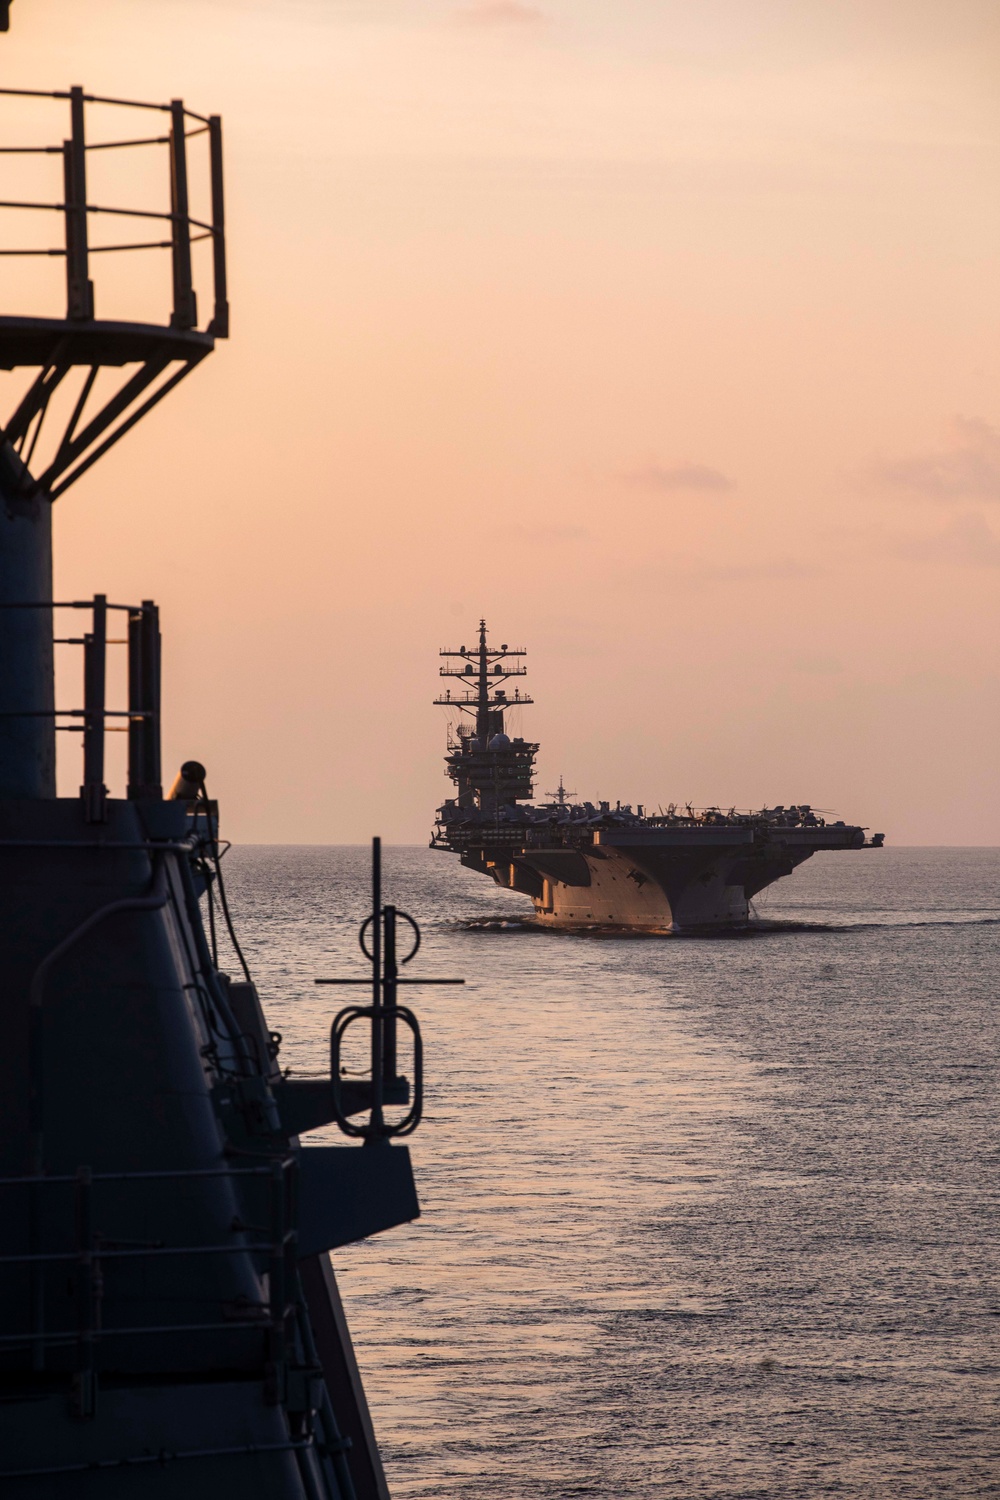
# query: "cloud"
966, 542
680, 477
500, 13
967, 468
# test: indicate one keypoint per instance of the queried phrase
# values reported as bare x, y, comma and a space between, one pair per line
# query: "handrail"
97, 208
97, 99
70, 1335
78, 209
138, 1253
175, 1174
165, 353
277, 1243
142, 715
163, 1457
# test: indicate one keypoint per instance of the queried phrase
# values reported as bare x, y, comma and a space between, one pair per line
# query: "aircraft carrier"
588, 865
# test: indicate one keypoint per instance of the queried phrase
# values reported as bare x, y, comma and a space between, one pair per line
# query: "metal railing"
471, 700
142, 715
164, 352
93, 1251
185, 229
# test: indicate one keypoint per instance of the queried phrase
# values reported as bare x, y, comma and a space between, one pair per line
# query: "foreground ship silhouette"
169, 1321
598, 866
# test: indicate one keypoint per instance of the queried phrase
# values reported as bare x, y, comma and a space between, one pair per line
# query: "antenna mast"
489, 769
487, 670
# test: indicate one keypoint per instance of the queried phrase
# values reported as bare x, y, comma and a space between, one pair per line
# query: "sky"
666, 336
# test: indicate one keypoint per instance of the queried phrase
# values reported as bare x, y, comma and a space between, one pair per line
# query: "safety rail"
92, 1250
142, 714
165, 353
472, 652
492, 672
470, 700
77, 210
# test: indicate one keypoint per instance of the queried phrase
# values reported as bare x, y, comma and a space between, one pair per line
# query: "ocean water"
701, 1217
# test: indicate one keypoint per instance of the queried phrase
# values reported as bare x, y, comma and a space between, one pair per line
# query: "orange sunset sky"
664, 333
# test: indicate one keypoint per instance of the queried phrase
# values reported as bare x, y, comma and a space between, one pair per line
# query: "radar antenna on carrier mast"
488, 767
486, 668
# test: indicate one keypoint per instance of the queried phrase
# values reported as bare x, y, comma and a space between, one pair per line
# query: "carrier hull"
690, 880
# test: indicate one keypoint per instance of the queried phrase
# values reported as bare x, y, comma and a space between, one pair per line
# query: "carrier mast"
488, 768
486, 668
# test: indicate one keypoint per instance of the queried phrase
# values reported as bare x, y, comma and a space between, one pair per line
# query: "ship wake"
758, 927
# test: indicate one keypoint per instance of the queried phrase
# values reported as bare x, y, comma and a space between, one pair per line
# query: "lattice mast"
489, 769
488, 670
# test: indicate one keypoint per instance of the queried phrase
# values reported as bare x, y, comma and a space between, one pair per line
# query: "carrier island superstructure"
594, 865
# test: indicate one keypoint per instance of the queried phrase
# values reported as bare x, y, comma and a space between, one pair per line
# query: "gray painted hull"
681, 880
622, 893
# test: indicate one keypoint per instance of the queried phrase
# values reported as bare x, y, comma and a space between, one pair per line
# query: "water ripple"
700, 1218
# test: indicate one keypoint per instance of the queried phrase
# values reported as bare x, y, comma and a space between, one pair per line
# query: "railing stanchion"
79, 287
94, 792
185, 313
144, 703
219, 325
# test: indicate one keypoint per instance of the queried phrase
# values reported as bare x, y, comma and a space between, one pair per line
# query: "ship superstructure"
169, 1320
587, 864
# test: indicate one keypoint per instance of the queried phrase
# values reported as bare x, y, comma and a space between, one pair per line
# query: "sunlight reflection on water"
712, 1218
